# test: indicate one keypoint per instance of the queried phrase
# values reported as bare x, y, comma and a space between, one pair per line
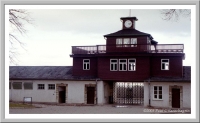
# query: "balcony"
99, 49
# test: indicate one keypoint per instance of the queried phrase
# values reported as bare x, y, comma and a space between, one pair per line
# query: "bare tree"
17, 18
175, 14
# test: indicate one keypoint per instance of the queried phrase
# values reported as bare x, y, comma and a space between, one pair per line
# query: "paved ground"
105, 109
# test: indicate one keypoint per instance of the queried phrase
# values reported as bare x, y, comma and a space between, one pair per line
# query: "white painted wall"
165, 101
107, 92
75, 91
146, 94
100, 92
187, 96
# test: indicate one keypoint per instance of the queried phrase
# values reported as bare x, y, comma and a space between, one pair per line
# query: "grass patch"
20, 105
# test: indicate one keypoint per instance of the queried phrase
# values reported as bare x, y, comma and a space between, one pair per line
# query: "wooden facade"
147, 53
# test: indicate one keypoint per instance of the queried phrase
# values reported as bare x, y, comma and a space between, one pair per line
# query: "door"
175, 98
90, 95
62, 94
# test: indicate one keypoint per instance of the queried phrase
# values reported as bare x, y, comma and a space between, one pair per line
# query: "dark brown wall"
175, 67
111, 45
78, 67
141, 73
146, 67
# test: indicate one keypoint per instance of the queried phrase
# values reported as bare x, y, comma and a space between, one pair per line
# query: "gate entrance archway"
128, 93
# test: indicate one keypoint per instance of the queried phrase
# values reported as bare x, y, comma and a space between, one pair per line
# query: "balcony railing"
99, 49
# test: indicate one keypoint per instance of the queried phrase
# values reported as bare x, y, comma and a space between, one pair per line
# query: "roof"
44, 73
129, 18
128, 32
186, 77
65, 73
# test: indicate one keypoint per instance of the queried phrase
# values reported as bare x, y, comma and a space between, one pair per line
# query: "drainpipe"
149, 92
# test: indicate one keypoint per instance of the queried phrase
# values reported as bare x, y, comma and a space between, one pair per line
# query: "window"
122, 65
157, 92
164, 64
133, 42
51, 86
131, 64
126, 42
17, 85
119, 42
28, 85
113, 64
86, 64
41, 86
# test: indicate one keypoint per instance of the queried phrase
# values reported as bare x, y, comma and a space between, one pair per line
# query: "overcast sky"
48, 41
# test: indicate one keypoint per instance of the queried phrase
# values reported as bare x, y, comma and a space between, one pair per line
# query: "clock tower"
128, 22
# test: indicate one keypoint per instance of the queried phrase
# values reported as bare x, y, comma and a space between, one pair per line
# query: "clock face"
128, 24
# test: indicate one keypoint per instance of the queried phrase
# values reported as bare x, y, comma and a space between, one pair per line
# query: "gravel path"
96, 109
54, 109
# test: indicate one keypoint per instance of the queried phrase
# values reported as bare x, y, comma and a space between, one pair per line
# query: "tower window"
126, 42
113, 64
164, 64
86, 64
119, 42
133, 42
131, 64
122, 64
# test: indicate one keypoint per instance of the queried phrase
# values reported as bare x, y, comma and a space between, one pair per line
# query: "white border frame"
193, 117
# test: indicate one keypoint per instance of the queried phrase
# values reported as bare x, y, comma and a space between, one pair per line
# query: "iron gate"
128, 93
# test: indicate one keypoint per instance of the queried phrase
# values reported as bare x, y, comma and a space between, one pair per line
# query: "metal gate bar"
128, 93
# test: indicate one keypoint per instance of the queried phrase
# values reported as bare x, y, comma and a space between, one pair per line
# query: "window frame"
17, 88
115, 63
50, 88
28, 88
133, 44
119, 42
122, 65
126, 42
87, 63
131, 62
157, 92
164, 64
40, 88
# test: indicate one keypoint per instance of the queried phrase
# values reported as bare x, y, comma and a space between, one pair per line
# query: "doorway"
62, 94
128, 93
90, 95
175, 98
